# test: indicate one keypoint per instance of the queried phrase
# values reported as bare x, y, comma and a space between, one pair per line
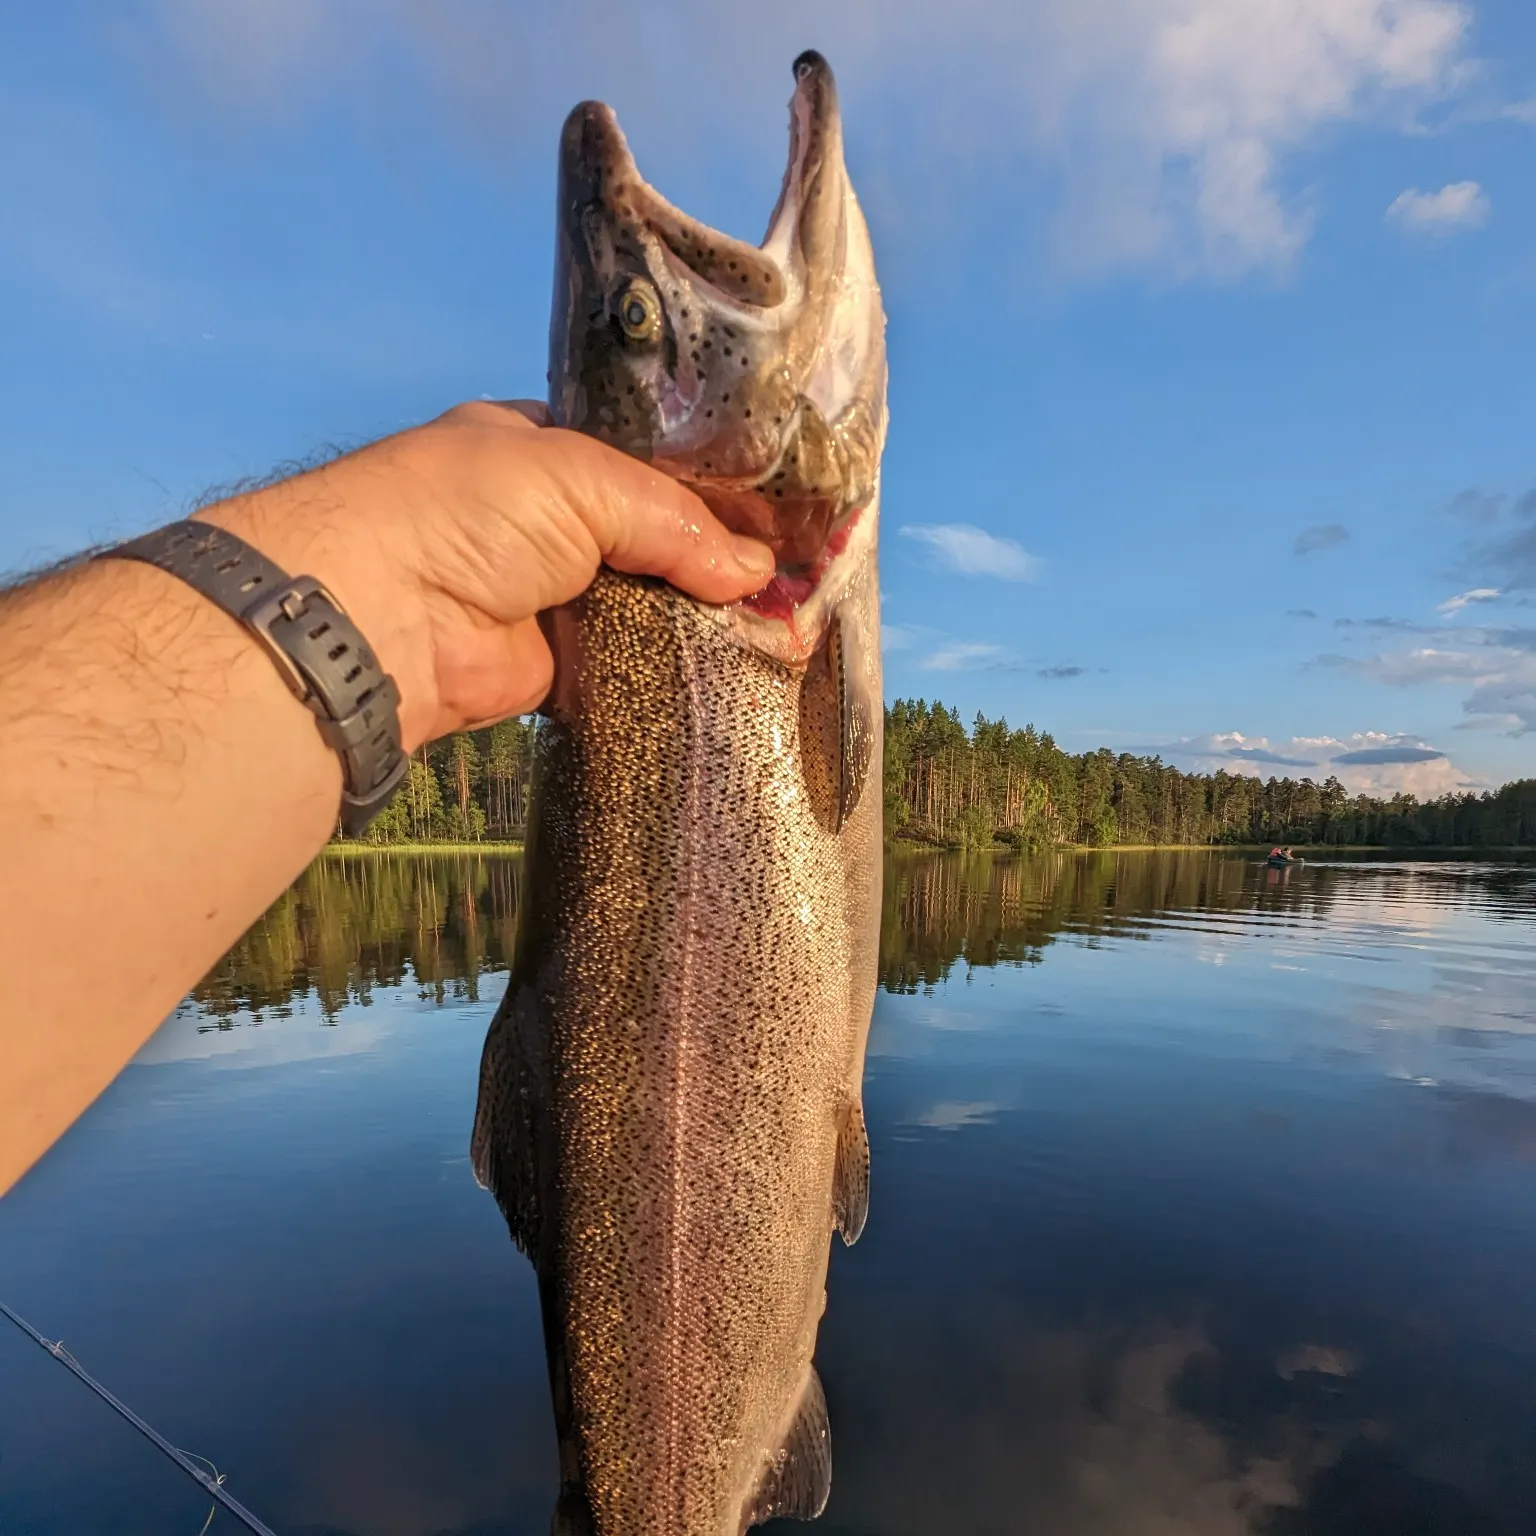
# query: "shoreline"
1305, 850
346, 850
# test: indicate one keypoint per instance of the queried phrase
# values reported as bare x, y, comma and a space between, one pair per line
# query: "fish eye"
638, 310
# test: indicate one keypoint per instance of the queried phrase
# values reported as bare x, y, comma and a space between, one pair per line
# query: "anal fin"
798, 1479
850, 1175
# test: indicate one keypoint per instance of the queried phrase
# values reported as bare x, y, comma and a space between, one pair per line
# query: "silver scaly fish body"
670, 1111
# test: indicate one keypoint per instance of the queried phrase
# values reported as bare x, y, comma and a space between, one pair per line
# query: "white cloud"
1509, 698
952, 1115
1461, 205
1462, 599
1364, 762
1248, 754
959, 656
975, 552
1211, 95
1424, 665
1166, 124
1496, 665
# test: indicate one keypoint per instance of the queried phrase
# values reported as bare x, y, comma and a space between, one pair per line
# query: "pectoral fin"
857, 702
502, 1146
850, 1177
798, 1479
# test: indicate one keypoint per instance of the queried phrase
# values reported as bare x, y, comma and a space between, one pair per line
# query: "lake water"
1202, 1205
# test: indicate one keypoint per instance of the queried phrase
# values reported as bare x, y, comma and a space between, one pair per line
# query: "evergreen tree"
946, 784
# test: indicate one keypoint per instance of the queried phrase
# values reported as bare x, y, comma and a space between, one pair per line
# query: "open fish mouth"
753, 374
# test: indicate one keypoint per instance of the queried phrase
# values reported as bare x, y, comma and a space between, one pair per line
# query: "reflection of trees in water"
990, 909
350, 924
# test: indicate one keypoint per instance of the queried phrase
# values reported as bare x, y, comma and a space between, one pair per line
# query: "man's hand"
445, 542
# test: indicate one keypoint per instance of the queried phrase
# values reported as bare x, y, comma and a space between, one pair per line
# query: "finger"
647, 524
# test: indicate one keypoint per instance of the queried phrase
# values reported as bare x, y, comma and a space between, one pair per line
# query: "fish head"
754, 374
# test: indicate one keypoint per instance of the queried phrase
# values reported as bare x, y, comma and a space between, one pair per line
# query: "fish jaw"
643, 393
753, 374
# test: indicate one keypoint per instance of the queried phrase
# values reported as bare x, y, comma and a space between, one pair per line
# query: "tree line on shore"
947, 784
990, 784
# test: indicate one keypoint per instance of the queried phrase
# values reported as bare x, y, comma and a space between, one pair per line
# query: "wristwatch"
320, 652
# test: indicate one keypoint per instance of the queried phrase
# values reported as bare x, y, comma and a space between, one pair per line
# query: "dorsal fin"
797, 1480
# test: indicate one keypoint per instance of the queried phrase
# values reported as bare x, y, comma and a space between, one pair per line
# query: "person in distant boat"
162, 782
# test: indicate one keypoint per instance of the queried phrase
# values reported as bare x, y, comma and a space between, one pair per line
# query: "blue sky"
1211, 321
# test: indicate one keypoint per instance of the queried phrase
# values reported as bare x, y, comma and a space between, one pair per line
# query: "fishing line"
212, 1484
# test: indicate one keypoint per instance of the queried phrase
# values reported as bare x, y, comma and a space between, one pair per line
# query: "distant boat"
1279, 860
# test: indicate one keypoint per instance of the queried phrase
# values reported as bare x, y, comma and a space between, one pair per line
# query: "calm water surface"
1202, 1206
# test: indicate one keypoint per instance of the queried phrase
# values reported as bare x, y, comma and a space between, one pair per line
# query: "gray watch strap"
318, 649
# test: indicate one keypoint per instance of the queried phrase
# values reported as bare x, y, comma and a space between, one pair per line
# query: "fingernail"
755, 559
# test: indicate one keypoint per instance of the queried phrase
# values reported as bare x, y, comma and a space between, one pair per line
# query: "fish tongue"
782, 596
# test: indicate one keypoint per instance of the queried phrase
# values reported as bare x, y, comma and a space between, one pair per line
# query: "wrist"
303, 529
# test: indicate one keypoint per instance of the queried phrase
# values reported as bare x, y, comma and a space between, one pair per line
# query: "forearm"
161, 786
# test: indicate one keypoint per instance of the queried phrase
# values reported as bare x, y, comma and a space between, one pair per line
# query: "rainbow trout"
669, 1112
